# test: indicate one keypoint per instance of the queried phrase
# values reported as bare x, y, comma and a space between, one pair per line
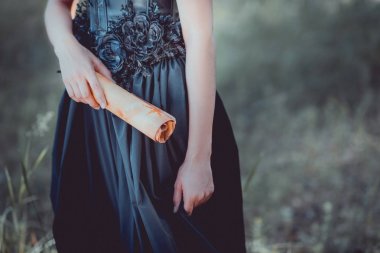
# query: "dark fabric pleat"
112, 186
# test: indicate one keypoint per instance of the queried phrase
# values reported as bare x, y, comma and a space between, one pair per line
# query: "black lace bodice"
129, 35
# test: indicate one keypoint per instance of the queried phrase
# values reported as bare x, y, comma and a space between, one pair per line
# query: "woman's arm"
77, 63
194, 178
58, 22
197, 26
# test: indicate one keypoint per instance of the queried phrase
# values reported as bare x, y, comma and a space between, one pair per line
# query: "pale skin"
194, 183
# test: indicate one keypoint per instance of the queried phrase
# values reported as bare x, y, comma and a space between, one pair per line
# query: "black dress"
112, 187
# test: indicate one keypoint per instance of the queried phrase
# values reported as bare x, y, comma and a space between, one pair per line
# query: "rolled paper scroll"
144, 116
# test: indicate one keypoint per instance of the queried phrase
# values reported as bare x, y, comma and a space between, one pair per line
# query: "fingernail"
103, 104
175, 209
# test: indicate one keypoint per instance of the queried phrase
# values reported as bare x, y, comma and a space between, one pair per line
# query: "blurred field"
300, 80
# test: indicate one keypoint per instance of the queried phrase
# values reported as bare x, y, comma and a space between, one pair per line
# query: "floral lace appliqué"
133, 41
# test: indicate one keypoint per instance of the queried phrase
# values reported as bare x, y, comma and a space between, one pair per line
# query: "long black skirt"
112, 187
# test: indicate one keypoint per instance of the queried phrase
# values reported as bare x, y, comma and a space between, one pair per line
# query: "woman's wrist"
62, 43
198, 155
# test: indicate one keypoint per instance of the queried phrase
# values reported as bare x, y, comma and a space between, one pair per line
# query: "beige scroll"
144, 116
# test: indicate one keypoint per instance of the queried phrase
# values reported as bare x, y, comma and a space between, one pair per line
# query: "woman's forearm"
201, 86
197, 27
58, 23
78, 65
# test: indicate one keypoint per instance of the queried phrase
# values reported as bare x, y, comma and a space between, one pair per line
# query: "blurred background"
300, 80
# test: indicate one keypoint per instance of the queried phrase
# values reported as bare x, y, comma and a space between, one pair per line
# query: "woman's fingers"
86, 94
79, 90
198, 200
188, 203
70, 91
82, 88
205, 199
177, 195
191, 202
97, 89
75, 93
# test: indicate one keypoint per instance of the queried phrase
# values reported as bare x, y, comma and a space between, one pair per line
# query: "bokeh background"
300, 80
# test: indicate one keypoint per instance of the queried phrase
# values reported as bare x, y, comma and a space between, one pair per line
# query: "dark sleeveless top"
129, 36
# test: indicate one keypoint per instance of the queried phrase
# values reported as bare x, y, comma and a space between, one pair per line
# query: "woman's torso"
130, 35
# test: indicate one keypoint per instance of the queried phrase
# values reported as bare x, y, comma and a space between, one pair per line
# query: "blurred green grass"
300, 82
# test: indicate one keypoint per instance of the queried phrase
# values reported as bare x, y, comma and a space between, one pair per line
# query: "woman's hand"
78, 66
195, 182
197, 27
